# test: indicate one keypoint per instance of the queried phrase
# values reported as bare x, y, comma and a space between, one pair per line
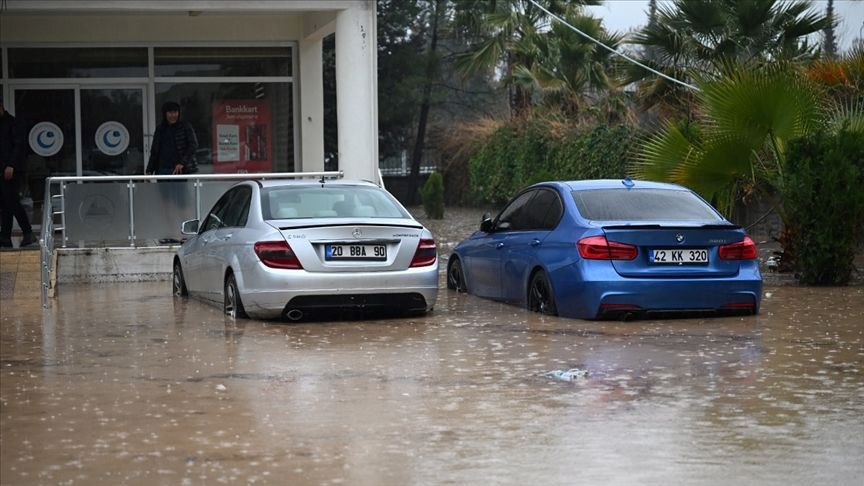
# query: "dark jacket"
12, 144
185, 143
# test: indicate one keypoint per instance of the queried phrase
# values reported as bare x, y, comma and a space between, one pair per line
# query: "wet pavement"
123, 384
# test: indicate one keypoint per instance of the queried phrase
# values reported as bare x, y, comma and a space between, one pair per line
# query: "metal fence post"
131, 186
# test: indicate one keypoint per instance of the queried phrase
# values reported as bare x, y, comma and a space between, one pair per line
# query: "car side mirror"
189, 227
487, 226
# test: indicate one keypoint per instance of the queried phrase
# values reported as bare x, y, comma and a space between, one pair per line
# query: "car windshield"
330, 201
642, 205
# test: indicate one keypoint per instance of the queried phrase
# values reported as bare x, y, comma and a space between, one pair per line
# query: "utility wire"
613, 51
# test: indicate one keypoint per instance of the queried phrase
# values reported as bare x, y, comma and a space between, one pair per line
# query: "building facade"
89, 77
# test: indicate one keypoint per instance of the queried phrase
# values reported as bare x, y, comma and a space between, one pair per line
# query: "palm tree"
505, 35
568, 68
747, 119
690, 39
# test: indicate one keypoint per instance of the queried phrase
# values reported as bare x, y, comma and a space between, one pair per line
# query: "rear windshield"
642, 205
328, 202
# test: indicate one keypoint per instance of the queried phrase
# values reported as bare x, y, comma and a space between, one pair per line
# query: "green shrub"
432, 194
824, 205
528, 151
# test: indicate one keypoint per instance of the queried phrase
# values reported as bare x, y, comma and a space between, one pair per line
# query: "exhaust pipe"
294, 314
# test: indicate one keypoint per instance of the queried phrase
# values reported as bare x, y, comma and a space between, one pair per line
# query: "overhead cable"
613, 51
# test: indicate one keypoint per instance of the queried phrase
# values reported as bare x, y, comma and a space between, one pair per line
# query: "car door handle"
499, 245
535, 242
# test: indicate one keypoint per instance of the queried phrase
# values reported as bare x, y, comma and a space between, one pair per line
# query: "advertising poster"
241, 136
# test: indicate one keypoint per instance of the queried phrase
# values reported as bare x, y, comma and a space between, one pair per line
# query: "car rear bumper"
614, 295
270, 293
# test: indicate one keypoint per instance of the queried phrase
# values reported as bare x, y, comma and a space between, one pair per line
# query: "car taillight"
277, 254
426, 254
743, 250
598, 248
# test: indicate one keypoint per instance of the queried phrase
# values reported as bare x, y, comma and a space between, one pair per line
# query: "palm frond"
664, 154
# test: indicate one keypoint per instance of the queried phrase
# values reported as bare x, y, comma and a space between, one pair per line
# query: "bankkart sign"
241, 136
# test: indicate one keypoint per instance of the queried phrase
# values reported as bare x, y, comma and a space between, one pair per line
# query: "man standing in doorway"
12, 157
174, 144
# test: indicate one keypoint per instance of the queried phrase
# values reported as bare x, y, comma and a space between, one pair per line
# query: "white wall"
120, 29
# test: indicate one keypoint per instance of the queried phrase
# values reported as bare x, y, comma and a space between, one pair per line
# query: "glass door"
48, 117
78, 130
112, 130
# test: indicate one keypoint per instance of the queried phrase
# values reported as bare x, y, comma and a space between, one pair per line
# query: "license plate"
678, 255
355, 252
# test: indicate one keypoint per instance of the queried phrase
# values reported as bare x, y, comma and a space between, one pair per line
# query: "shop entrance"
79, 130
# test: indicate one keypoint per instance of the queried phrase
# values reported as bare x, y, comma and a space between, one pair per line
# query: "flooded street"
123, 384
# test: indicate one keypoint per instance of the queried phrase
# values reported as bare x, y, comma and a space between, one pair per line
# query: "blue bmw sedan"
610, 248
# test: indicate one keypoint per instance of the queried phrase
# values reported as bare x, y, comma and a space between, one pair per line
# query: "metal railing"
96, 222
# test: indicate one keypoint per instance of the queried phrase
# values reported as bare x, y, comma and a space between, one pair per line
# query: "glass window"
238, 208
515, 216
222, 61
77, 62
112, 131
48, 118
545, 210
331, 201
214, 219
643, 205
241, 127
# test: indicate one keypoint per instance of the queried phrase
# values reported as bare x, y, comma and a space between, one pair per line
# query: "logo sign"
46, 139
679, 238
357, 233
112, 138
97, 210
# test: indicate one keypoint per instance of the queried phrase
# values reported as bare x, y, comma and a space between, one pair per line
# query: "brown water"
122, 384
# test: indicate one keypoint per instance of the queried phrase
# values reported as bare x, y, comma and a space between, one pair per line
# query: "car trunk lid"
675, 250
345, 246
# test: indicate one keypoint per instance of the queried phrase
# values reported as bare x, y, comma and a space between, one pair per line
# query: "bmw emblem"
357, 233
679, 238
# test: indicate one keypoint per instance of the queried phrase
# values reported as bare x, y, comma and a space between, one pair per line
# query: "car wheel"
540, 297
233, 305
456, 276
178, 282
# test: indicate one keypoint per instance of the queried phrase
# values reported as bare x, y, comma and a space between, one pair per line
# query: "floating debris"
569, 375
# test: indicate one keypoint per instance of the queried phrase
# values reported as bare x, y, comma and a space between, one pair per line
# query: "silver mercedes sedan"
287, 248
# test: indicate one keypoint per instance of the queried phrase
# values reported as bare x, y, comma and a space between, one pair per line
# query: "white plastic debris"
568, 375
221, 387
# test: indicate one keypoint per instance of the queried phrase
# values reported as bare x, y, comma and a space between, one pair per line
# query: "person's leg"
20, 213
6, 212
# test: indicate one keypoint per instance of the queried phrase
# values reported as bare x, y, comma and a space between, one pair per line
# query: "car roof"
615, 184
314, 182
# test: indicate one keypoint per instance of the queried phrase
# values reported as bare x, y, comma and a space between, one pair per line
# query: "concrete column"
357, 91
311, 107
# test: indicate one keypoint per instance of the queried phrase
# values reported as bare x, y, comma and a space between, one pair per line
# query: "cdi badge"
112, 138
46, 139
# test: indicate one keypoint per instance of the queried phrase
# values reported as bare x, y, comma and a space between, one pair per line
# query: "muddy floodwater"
123, 384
